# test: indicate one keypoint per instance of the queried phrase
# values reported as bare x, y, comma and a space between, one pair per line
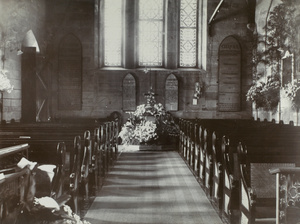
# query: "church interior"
149, 111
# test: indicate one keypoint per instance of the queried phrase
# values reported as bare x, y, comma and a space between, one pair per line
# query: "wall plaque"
70, 74
171, 93
229, 75
129, 93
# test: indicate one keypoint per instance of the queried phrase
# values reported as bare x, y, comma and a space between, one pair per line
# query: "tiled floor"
151, 187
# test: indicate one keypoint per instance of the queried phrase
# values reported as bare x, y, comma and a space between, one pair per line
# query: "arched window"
152, 33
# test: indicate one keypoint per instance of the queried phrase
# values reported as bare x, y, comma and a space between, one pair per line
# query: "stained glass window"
150, 32
188, 33
112, 32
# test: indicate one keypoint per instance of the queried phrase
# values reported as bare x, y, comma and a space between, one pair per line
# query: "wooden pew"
75, 175
13, 195
91, 156
42, 137
189, 143
265, 141
95, 174
185, 139
192, 147
115, 138
258, 187
181, 137
12, 155
59, 179
98, 154
230, 191
201, 155
85, 164
14, 188
217, 171
196, 147
207, 144
102, 145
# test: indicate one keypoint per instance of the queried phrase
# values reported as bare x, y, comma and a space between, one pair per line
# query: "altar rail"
223, 154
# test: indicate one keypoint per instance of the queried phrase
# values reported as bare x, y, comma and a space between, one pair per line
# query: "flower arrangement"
148, 124
265, 94
292, 92
134, 133
4, 82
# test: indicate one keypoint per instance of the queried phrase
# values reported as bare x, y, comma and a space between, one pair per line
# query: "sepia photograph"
149, 111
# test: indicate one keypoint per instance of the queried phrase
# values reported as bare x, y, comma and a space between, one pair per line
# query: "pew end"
258, 187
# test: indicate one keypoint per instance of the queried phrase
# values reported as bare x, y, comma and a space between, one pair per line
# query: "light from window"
112, 32
188, 33
150, 32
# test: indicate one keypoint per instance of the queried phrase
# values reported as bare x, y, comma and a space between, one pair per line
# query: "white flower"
4, 82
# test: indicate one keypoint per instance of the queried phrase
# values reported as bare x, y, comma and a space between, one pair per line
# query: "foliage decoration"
266, 95
268, 50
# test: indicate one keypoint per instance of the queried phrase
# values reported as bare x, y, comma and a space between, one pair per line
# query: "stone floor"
151, 187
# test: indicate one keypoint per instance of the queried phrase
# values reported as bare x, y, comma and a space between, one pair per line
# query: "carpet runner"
151, 187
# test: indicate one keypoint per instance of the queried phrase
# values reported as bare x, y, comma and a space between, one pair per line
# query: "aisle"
151, 187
